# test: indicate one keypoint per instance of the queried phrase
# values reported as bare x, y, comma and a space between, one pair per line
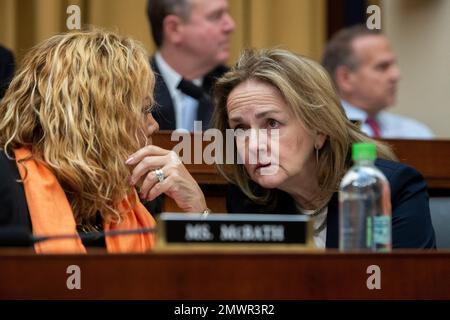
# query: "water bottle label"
382, 230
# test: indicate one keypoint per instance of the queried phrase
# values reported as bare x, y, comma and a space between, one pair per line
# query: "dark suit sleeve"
6, 195
7, 67
13, 205
235, 200
411, 220
154, 207
238, 202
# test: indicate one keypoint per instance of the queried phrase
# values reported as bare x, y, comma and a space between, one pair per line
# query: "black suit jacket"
14, 211
6, 69
411, 220
164, 111
13, 204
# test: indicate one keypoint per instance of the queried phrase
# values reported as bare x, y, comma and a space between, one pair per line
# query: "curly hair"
78, 103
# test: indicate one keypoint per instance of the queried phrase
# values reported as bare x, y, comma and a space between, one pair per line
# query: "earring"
317, 154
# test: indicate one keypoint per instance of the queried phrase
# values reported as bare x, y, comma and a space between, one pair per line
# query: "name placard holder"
233, 231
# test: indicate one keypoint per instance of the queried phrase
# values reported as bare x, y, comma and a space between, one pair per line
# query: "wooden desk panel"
430, 157
233, 275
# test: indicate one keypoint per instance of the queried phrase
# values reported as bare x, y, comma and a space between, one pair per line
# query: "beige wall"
298, 25
420, 34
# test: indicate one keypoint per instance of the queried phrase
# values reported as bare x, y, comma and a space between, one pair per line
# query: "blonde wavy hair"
309, 92
78, 103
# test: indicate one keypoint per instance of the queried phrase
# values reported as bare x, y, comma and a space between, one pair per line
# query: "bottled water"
364, 204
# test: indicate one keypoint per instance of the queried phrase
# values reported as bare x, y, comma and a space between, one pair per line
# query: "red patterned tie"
373, 124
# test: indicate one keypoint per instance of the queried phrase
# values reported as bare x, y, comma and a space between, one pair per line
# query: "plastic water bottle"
364, 204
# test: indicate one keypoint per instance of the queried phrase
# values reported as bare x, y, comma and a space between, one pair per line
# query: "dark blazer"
411, 220
14, 214
6, 69
13, 204
164, 111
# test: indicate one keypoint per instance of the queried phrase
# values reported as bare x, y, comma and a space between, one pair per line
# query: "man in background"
365, 72
192, 39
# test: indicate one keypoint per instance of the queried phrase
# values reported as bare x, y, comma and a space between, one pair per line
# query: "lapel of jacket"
163, 112
205, 105
205, 111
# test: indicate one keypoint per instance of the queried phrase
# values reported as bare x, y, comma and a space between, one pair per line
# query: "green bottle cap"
364, 151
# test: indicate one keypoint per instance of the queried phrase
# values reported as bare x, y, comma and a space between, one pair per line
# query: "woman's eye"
272, 124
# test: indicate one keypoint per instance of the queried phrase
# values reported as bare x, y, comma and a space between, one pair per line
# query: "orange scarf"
51, 214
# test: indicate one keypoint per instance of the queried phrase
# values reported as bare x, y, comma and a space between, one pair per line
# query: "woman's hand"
177, 184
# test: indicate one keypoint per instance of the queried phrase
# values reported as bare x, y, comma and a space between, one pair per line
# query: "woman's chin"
269, 181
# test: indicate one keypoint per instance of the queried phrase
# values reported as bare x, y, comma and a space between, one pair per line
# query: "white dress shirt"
185, 107
391, 125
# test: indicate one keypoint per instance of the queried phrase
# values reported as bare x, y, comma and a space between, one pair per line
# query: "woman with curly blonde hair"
74, 113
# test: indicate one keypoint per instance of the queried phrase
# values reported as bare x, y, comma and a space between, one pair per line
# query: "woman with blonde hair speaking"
74, 113
291, 97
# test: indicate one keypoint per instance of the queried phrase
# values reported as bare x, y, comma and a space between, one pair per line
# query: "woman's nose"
258, 144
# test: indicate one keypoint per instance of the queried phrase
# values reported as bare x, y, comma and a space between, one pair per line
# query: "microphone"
19, 236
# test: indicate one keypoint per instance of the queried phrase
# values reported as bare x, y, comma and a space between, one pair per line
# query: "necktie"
193, 94
373, 124
190, 89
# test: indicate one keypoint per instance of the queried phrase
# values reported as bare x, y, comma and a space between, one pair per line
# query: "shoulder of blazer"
6, 56
163, 112
388, 167
160, 85
399, 175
